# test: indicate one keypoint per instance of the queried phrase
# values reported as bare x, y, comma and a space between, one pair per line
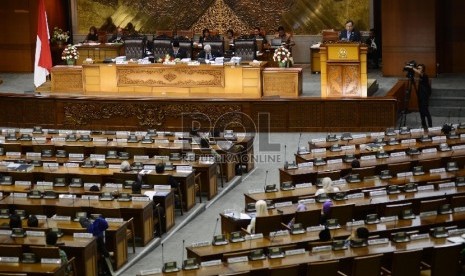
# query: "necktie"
348, 35
209, 56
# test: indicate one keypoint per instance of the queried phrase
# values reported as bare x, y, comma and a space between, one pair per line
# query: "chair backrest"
158, 179
267, 224
460, 161
457, 201
365, 171
187, 46
11, 250
308, 218
367, 265
326, 268
134, 48
430, 164
245, 48
50, 252
161, 47
334, 175
217, 45
343, 213
396, 209
406, 263
446, 258
330, 35
399, 167
432, 205
284, 271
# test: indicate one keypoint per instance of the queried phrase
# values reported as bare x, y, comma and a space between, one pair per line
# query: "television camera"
409, 69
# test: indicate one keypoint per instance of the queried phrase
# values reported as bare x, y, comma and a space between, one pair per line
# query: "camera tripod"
405, 111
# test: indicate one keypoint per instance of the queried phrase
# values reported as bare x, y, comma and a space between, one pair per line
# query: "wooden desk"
35, 269
282, 82
315, 66
84, 250
98, 53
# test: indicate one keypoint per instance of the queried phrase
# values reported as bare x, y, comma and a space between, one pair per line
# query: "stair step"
448, 93
447, 111
447, 102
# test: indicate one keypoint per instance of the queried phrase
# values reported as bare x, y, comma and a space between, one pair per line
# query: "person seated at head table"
229, 40
257, 34
350, 33
51, 240
205, 36
327, 187
287, 39
208, 54
176, 51
92, 36
117, 37
260, 210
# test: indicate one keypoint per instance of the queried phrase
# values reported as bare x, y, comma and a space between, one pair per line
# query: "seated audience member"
300, 208
131, 30
205, 36
327, 187
125, 166
208, 54
360, 234
373, 53
51, 240
350, 33
325, 211
287, 39
92, 36
257, 34
261, 210
117, 37
324, 235
229, 40
176, 51
355, 164
32, 221
15, 221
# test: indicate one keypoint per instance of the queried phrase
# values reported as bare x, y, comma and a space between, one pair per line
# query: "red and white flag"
43, 57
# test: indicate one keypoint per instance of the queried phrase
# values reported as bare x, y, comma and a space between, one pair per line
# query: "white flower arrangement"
70, 52
282, 54
59, 35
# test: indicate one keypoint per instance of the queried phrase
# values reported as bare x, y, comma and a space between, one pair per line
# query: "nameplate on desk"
67, 196
303, 185
140, 198
88, 185
183, 168
150, 271
211, 263
378, 241
425, 187
100, 140
378, 193
255, 191
71, 165
339, 182
83, 235
438, 170
446, 185
90, 197
51, 165
78, 156
114, 166
9, 259
279, 233
2, 140
307, 201
254, 236
31, 155
438, 138
388, 219
41, 216
350, 147
458, 147
404, 174
62, 218
355, 223
97, 157
35, 233
319, 150
295, 252
283, 204
149, 167
430, 150
162, 141
40, 139
398, 154
318, 140
238, 260
456, 231
368, 157
408, 141
201, 244
44, 183
315, 228
65, 131
58, 139
13, 154
305, 165
355, 195
5, 232
141, 157
462, 136
19, 195
161, 187
359, 136
180, 141
377, 134
431, 129
428, 214
26, 130
419, 236
50, 261
416, 130
114, 185
335, 161
142, 172
322, 248
459, 209
22, 183
122, 133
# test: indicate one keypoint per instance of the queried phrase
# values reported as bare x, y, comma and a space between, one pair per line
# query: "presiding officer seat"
134, 47
246, 49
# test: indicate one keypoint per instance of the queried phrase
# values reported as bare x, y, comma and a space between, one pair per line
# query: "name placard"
83, 235
318, 140
368, 157
446, 185
89, 197
183, 168
22, 183
339, 182
114, 166
50, 261
459, 209
51, 165
65, 131
254, 236
350, 147
355, 223
378, 241
305, 165
201, 244
58, 139
416, 130
67, 196
307, 201
356, 195
71, 165
140, 198
33, 155
211, 263
89, 185
321, 248
40, 139
408, 141
319, 150
295, 252
431, 129
150, 271
315, 228
279, 233
9, 259
359, 136
63, 218
458, 147
141, 157
44, 183
398, 154
122, 133
13, 154
255, 191
404, 174
377, 134
388, 219
25, 130
162, 141
303, 185
238, 260
335, 161
149, 167
419, 236
425, 187
378, 193
100, 140
114, 185
41, 217
97, 157
5, 232
428, 214
283, 204
19, 195
438, 138
114, 219
79, 156
35, 233
430, 150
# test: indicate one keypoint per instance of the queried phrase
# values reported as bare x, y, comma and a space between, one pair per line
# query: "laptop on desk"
276, 42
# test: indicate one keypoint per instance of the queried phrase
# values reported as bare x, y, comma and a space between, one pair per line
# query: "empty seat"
308, 218
161, 47
404, 263
365, 172
367, 265
432, 205
50, 252
396, 209
284, 271
134, 47
343, 213
326, 268
187, 46
217, 46
446, 258
399, 167
245, 48
268, 224
430, 164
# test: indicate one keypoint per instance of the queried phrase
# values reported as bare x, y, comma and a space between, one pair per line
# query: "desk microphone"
182, 253
216, 225
162, 256
285, 157
266, 177
298, 143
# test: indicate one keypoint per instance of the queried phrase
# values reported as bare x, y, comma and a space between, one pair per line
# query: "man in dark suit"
350, 33
176, 51
208, 54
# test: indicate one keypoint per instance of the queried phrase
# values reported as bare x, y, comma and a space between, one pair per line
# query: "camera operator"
423, 94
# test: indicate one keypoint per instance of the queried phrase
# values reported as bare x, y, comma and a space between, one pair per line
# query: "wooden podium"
343, 70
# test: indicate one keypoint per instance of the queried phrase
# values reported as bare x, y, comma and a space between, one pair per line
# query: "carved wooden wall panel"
305, 115
343, 80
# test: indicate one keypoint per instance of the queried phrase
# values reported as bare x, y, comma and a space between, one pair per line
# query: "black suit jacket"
215, 54
354, 36
180, 54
